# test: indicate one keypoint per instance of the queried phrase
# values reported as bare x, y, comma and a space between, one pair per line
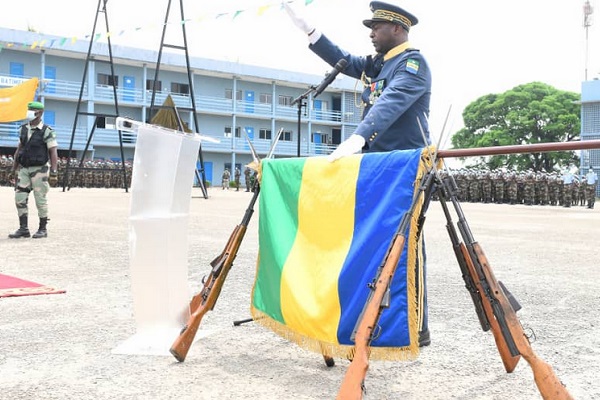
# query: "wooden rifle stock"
483, 306
216, 265
510, 362
501, 313
206, 299
353, 384
548, 383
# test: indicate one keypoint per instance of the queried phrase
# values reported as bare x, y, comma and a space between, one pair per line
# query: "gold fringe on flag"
415, 295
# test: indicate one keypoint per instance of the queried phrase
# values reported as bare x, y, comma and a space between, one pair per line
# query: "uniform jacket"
398, 90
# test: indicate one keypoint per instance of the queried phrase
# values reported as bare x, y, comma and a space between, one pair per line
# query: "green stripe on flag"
282, 218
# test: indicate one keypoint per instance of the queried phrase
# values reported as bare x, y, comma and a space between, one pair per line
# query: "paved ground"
59, 346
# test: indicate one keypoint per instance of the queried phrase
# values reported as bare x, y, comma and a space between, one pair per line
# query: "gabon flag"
13, 100
324, 230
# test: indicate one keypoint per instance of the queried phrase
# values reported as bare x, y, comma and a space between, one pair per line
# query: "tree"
527, 114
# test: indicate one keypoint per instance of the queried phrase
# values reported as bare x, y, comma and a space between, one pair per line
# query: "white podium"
161, 186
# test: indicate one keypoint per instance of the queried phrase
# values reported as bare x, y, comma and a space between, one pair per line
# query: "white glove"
298, 20
352, 145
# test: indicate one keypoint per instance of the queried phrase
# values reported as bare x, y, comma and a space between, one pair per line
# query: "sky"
473, 47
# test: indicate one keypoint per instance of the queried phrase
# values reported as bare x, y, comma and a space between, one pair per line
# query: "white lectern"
161, 186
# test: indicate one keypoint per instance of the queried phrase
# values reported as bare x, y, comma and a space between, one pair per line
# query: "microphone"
330, 77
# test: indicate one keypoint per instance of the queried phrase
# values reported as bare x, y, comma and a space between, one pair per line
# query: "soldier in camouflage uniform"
512, 188
553, 190
5, 170
247, 178
36, 149
463, 185
486, 186
498, 182
225, 179
89, 174
541, 189
474, 188
575, 191
521, 177
237, 175
581, 195
591, 181
567, 190
528, 188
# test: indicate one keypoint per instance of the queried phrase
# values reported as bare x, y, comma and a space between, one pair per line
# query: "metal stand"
200, 174
242, 321
300, 100
101, 8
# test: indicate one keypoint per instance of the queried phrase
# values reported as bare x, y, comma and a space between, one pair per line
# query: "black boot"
41, 233
23, 231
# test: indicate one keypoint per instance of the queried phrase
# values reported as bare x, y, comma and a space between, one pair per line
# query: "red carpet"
11, 286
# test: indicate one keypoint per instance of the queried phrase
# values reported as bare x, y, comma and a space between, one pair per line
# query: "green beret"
35, 105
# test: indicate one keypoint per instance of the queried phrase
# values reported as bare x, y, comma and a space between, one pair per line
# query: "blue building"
590, 126
229, 98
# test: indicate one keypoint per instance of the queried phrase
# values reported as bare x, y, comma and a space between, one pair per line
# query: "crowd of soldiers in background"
474, 185
524, 187
96, 173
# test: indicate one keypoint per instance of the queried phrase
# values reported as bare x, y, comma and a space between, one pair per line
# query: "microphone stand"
301, 103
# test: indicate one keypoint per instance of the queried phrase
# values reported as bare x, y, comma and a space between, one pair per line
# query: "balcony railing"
63, 89
9, 136
110, 138
138, 97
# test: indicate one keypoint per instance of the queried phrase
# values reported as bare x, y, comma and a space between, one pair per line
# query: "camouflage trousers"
32, 179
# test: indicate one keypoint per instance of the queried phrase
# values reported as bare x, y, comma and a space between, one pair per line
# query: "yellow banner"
13, 100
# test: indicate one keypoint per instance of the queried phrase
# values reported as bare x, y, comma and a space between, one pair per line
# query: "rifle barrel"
520, 148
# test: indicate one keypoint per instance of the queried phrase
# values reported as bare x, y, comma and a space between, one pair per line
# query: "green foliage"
527, 114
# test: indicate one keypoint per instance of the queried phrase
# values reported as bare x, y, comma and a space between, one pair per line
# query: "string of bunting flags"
44, 42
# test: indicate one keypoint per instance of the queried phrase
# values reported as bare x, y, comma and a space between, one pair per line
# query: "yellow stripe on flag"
13, 100
314, 265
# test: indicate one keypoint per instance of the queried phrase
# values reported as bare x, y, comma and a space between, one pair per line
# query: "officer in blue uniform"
397, 92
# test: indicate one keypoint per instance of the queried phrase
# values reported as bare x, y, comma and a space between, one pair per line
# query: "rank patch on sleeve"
412, 66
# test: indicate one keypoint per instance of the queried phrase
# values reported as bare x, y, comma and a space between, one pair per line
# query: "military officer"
396, 92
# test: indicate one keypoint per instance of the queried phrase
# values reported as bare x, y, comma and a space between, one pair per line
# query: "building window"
265, 98
227, 133
264, 134
285, 100
157, 87
181, 88
286, 135
106, 79
17, 69
229, 94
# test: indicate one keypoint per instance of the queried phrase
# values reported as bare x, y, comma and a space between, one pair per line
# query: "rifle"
498, 301
499, 305
379, 298
483, 306
206, 299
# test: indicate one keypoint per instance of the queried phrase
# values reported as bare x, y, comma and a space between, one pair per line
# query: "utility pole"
587, 22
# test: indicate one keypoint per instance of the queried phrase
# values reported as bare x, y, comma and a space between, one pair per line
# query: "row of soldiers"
524, 187
96, 173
